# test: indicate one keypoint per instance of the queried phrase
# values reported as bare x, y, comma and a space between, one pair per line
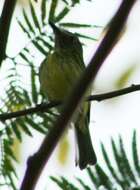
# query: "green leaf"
104, 179
24, 127
12, 182
75, 2
26, 49
8, 131
75, 25
57, 181
27, 98
68, 185
85, 186
40, 48
33, 86
23, 28
109, 165
8, 150
46, 44
52, 10
66, 2
126, 164
119, 163
62, 14
86, 37
16, 130
135, 153
7, 167
43, 11
63, 183
34, 16
93, 178
136, 188
24, 57
34, 125
28, 22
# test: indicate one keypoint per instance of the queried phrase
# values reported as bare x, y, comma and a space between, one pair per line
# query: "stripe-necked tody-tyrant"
58, 74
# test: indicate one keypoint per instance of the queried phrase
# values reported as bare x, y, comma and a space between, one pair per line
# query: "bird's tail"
86, 154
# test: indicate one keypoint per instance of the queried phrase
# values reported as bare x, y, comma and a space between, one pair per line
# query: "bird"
58, 73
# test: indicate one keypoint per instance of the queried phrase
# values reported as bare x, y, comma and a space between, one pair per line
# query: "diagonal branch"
37, 162
5, 22
44, 107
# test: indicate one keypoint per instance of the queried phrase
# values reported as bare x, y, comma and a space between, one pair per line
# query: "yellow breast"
58, 74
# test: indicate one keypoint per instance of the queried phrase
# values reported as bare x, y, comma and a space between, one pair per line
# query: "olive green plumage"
58, 74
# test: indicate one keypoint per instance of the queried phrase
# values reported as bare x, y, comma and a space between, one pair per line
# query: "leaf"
16, 130
86, 187
43, 11
24, 127
75, 2
57, 181
135, 153
26, 49
86, 37
52, 10
66, 2
8, 131
45, 43
136, 188
8, 150
109, 165
119, 163
34, 16
24, 57
62, 14
33, 86
23, 28
27, 98
75, 25
12, 182
7, 167
126, 164
63, 183
28, 22
104, 179
34, 125
68, 185
93, 178
40, 48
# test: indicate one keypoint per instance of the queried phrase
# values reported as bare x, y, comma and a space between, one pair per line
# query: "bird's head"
66, 40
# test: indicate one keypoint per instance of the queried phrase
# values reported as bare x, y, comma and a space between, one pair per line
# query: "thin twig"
44, 107
37, 162
5, 22
114, 94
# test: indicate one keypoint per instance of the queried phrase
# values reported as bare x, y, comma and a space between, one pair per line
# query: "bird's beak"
55, 28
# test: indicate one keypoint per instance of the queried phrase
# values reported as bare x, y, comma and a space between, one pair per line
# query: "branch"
5, 22
115, 93
37, 162
38, 108
46, 106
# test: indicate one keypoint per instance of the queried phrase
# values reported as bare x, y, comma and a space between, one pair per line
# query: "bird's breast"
58, 75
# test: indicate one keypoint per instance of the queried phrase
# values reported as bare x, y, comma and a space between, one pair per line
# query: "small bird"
58, 74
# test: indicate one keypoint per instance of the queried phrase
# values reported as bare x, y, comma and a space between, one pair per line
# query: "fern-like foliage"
18, 94
123, 175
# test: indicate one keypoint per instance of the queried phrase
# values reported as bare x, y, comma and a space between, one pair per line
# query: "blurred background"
108, 118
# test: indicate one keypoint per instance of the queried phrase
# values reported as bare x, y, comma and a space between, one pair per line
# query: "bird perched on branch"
58, 74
